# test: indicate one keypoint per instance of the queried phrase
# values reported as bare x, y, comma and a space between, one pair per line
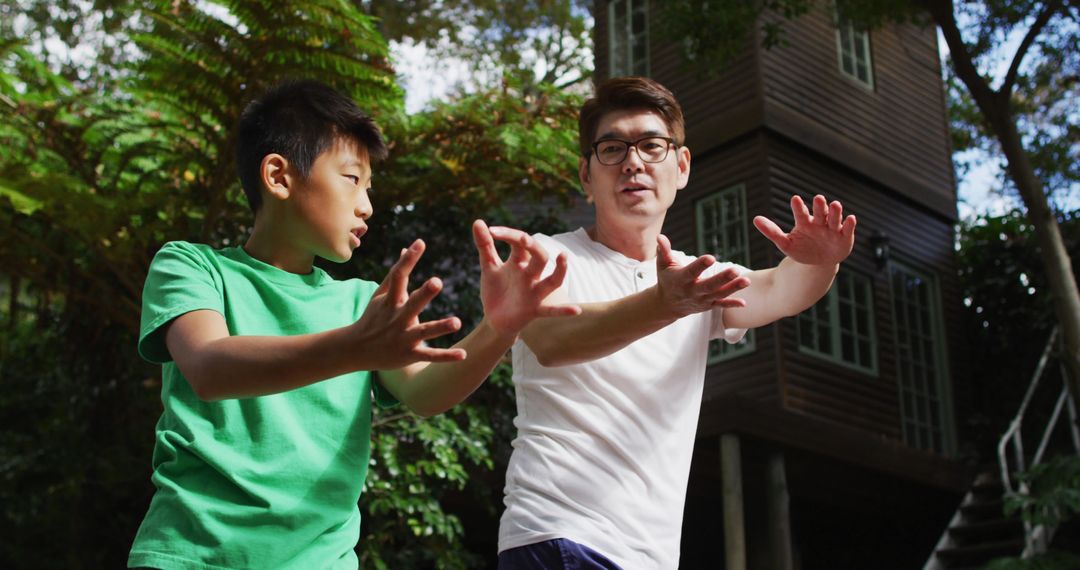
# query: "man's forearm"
601, 329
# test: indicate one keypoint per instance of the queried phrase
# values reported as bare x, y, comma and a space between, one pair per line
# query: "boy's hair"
622, 93
298, 119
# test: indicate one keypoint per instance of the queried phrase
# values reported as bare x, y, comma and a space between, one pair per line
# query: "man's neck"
634, 242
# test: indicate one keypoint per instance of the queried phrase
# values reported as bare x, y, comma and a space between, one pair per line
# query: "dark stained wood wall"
902, 120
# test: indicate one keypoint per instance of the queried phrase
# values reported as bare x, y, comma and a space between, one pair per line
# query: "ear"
276, 179
583, 177
682, 158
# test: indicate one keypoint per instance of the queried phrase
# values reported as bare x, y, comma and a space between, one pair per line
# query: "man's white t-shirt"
603, 450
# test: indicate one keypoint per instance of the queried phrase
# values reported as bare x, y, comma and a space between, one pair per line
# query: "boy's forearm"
601, 329
439, 386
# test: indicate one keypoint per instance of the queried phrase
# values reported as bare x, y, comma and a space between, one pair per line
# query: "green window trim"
721, 230
628, 38
853, 49
840, 327
922, 372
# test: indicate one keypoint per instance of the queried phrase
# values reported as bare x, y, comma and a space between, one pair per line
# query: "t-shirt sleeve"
181, 279
380, 395
718, 330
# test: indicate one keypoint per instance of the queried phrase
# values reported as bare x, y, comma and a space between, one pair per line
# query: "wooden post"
734, 525
778, 515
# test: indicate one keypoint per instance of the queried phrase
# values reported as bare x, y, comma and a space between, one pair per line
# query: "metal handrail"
1037, 537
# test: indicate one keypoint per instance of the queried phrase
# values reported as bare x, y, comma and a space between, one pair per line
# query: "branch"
1029, 39
942, 13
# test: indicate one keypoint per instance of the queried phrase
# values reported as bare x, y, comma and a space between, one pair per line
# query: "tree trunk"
1055, 256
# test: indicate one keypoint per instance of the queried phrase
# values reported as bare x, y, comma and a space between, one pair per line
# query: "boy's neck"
273, 248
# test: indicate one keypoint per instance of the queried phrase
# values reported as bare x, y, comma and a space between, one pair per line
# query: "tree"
102, 162
534, 42
1026, 111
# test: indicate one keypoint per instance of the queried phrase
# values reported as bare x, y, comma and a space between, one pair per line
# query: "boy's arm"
814, 249
813, 252
388, 335
513, 294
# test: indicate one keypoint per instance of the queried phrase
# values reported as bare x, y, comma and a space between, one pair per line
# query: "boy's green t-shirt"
264, 482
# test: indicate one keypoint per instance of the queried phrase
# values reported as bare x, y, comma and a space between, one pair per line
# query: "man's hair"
298, 119
625, 93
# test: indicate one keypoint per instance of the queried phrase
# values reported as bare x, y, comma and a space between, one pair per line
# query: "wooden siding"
901, 120
917, 237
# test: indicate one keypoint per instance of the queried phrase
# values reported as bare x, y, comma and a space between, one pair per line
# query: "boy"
263, 445
608, 401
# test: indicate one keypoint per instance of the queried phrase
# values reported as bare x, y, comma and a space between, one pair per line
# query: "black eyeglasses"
610, 152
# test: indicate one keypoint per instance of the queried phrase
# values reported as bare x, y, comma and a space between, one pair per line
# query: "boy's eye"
352, 178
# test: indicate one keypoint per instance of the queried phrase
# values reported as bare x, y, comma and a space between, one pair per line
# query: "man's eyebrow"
615, 135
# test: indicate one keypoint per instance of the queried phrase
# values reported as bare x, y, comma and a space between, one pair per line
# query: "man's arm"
814, 249
604, 328
813, 252
388, 335
513, 295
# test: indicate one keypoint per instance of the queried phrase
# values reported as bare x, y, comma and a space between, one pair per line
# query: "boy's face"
633, 191
331, 206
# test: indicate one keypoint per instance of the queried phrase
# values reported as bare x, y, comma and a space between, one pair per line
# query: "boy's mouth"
357, 233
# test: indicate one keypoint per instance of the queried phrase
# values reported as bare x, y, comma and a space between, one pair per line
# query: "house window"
854, 44
628, 47
721, 231
919, 358
840, 327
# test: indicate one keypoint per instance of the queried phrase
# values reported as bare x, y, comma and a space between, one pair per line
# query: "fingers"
552, 282
432, 329
848, 229
695, 267
485, 244
428, 354
421, 297
799, 211
664, 257
772, 232
521, 245
397, 281
821, 210
835, 216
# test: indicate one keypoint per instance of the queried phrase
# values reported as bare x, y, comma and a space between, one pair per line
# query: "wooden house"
827, 440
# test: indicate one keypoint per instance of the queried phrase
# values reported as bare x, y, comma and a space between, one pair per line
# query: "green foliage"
103, 161
1053, 499
1053, 492
1008, 315
533, 42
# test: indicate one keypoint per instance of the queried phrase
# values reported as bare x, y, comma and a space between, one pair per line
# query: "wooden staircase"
980, 531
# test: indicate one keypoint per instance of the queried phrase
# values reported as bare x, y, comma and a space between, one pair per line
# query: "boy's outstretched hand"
512, 291
824, 238
390, 330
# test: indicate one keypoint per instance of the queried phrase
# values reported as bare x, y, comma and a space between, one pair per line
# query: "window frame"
835, 325
719, 349
627, 34
936, 320
857, 36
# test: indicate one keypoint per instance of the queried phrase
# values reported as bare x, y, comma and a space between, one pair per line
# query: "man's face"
634, 192
332, 207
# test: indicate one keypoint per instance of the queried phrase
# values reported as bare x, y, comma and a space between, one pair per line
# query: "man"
608, 401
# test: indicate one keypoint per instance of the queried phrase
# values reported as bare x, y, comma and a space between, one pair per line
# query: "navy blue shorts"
556, 554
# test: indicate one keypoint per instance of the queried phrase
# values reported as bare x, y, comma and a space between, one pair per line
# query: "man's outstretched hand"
823, 238
512, 291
